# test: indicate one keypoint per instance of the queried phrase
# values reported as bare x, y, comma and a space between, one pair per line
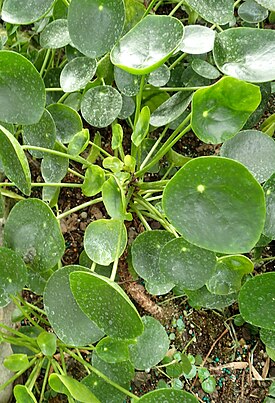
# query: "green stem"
26, 315
156, 186
19, 334
33, 308
154, 198
237, 3
179, 59
100, 149
53, 89
265, 259
93, 266
140, 216
148, 156
177, 7
64, 96
76, 173
17, 375
66, 3
34, 374
80, 207
75, 158
57, 368
45, 62
168, 171
15, 341
149, 8
176, 89
45, 381
101, 375
137, 112
62, 360
114, 270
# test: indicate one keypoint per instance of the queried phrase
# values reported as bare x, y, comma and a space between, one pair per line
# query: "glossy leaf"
197, 39
14, 161
105, 240
95, 26
22, 90
221, 110
34, 233
114, 199
114, 164
23, 394
117, 136
94, 180
148, 45
101, 105
37, 280
77, 73
186, 264
269, 4
55, 35
128, 107
268, 337
79, 142
104, 302
257, 296
113, 350
216, 13
16, 362
252, 12
13, 275
142, 126
168, 396
127, 83
151, 346
228, 274
160, 76
171, 109
239, 52
71, 388
204, 298
269, 189
145, 251
260, 160
67, 121
216, 204
205, 69
68, 321
24, 12
40, 134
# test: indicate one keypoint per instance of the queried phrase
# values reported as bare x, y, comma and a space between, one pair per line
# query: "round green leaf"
23, 394
185, 264
16, 362
14, 161
79, 142
204, 298
269, 189
127, 83
55, 35
216, 204
68, 321
257, 301
103, 390
260, 160
13, 275
171, 109
128, 107
101, 105
22, 91
94, 180
33, 231
160, 76
151, 346
93, 293
268, 337
220, 12
71, 388
252, 12
168, 396
209, 385
221, 110
47, 343
148, 45
113, 350
197, 39
228, 274
145, 255
67, 121
54, 168
156, 288
246, 53
205, 69
77, 73
105, 240
269, 4
24, 12
95, 25
41, 134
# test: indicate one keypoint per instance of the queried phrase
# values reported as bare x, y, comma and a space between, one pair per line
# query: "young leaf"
14, 161
101, 105
67, 121
33, 232
94, 180
197, 40
71, 388
257, 296
209, 385
228, 275
151, 346
127, 83
95, 26
23, 394
205, 69
113, 199
105, 240
22, 89
148, 45
238, 52
185, 264
47, 343
41, 134
104, 302
269, 189
142, 126
221, 110
79, 142
77, 73
260, 160
113, 350
216, 204
117, 136
168, 396
13, 275
55, 35
113, 163
24, 12
95, 152
211, 11
16, 362
160, 76
68, 321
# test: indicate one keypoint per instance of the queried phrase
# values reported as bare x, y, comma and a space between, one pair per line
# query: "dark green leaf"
269, 188
55, 35
24, 12
168, 396
113, 350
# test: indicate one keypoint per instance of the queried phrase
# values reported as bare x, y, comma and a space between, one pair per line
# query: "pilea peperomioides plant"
73, 85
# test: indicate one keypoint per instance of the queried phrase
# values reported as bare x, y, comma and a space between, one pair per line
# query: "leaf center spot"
100, 7
205, 114
201, 188
268, 192
183, 249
